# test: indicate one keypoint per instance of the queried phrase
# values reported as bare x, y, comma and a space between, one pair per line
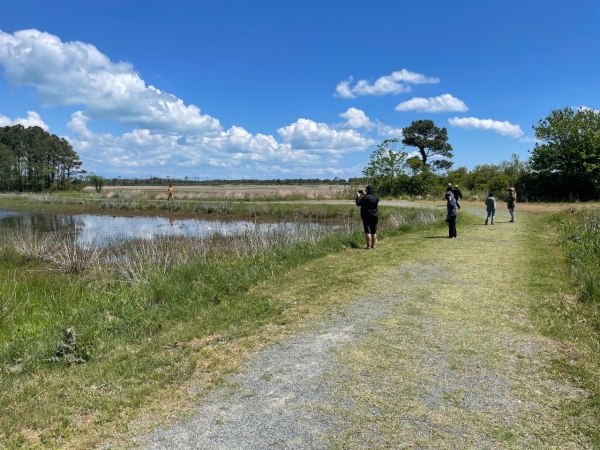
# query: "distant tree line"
564, 163
32, 159
186, 181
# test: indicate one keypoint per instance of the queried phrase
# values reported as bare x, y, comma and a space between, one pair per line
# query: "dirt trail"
440, 355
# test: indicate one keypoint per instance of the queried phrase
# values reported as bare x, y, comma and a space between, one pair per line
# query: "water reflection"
102, 229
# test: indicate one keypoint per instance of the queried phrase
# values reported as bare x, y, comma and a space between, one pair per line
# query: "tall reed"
580, 236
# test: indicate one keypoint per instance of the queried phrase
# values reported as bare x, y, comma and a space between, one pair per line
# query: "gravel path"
438, 357
277, 402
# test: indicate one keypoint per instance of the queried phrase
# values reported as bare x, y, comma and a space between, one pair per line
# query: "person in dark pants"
452, 213
368, 202
457, 195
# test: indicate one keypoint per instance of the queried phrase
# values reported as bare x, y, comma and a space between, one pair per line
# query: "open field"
231, 192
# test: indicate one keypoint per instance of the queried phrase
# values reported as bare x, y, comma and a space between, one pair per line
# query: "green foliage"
580, 237
385, 165
493, 177
568, 157
32, 159
97, 181
431, 141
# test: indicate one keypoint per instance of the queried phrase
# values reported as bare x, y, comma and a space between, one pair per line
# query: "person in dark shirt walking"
490, 207
457, 195
452, 213
512, 199
368, 202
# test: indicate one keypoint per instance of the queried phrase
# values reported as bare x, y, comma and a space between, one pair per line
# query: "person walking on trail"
457, 195
170, 196
368, 201
452, 213
510, 203
490, 207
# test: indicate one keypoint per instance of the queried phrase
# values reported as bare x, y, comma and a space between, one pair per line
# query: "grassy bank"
92, 340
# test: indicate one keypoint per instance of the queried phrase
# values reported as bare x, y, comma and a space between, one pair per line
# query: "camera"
361, 191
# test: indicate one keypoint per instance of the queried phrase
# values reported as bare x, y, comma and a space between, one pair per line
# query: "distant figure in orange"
170, 196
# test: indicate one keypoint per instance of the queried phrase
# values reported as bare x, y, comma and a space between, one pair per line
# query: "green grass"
462, 360
141, 341
491, 317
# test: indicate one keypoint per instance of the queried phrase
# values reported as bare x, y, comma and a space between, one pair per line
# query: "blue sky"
272, 89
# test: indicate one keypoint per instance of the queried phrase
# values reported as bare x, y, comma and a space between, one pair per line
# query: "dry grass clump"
413, 217
139, 261
60, 249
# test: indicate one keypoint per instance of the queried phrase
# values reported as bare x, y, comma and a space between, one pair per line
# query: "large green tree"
385, 165
31, 159
567, 156
432, 143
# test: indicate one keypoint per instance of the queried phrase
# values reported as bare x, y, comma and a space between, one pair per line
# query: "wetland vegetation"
84, 324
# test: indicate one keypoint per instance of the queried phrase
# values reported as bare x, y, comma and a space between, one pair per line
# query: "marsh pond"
89, 228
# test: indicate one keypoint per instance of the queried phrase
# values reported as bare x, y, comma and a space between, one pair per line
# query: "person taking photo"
368, 201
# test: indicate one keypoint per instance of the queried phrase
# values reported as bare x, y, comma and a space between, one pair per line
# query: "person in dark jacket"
457, 195
510, 203
368, 201
490, 207
449, 187
452, 213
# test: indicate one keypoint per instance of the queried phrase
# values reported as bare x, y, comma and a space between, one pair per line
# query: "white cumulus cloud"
396, 83
307, 134
388, 131
502, 128
169, 137
33, 119
76, 73
230, 154
441, 103
356, 118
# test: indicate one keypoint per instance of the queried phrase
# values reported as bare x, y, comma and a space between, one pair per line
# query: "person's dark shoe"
486, 221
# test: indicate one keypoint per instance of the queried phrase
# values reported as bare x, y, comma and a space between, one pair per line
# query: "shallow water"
90, 228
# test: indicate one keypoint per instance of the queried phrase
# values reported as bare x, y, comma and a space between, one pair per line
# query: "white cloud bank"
310, 149
441, 103
33, 119
396, 83
502, 128
75, 73
169, 137
307, 134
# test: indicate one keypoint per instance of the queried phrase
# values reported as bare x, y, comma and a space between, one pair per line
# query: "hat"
449, 194
456, 185
369, 188
511, 189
